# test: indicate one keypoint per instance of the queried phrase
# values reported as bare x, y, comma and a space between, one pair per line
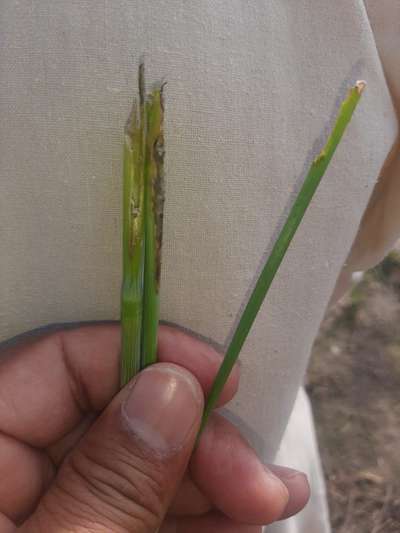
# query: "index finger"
49, 383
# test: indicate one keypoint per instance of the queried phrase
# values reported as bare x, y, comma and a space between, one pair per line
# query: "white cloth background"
315, 517
251, 90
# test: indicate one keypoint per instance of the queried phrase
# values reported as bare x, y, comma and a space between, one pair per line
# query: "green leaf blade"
304, 197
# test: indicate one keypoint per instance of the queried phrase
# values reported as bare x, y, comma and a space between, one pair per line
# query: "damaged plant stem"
143, 200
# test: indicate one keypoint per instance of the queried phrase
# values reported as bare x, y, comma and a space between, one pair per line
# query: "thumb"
124, 472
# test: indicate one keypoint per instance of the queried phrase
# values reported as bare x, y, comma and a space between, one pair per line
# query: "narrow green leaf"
281, 245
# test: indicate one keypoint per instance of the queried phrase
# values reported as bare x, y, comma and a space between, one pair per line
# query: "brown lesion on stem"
319, 157
158, 190
145, 140
158, 200
360, 86
135, 131
142, 86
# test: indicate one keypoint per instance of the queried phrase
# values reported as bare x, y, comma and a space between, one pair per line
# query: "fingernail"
285, 473
163, 407
297, 484
275, 480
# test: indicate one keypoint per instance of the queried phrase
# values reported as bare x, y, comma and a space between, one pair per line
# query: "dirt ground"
354, 385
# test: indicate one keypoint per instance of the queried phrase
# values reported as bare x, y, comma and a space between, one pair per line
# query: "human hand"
76, 455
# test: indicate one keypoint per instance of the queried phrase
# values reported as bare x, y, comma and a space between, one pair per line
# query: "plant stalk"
154, 203
133, 247
143, 200
312, 180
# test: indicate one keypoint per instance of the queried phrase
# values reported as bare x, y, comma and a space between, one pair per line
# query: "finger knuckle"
126, 490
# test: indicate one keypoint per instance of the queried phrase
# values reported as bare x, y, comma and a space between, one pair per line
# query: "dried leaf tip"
360, 86
142, 87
